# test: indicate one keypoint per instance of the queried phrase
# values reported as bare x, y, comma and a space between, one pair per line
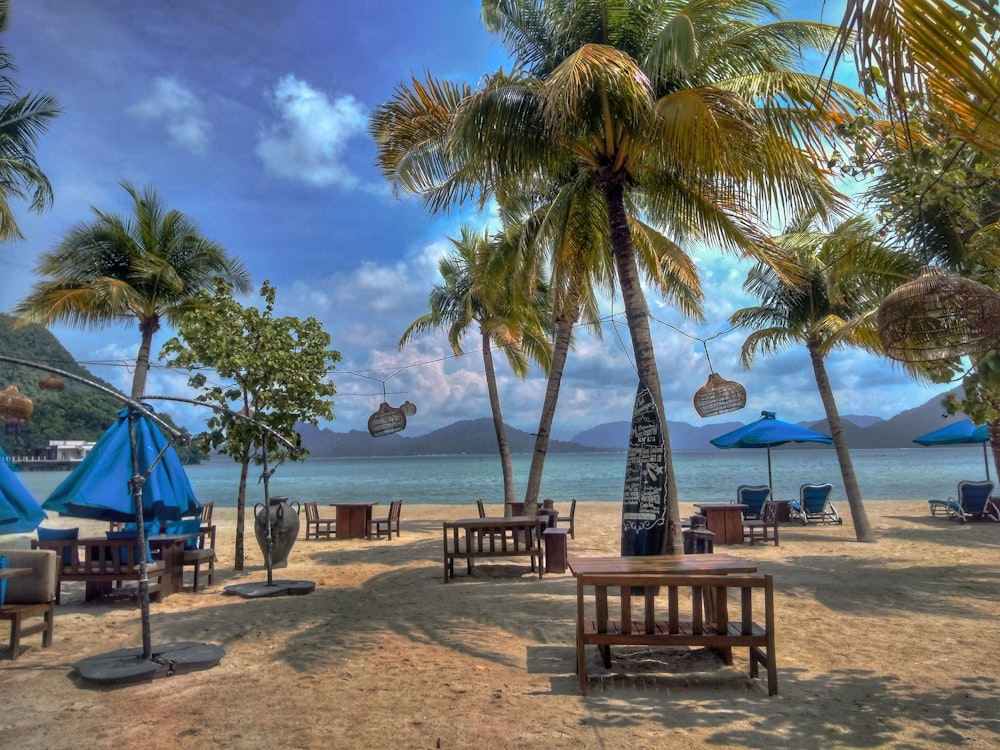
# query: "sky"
250, 117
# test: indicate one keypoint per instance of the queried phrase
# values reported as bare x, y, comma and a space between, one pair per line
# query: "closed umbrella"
99, 487
767, 432
19, 512
959, 433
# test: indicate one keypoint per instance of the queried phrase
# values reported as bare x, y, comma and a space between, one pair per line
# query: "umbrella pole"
986, 461
770, 485
267, 510
136, 485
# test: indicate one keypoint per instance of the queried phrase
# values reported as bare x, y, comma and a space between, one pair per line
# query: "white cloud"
180, 111
309, 142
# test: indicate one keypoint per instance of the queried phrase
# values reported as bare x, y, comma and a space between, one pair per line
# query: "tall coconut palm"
689, 114
23, 119
148, 267
487, 287
846, 270
941, 54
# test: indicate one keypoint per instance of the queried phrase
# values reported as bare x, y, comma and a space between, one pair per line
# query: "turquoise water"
907, 474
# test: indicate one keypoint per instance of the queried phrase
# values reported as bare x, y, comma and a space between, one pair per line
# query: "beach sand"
891, 644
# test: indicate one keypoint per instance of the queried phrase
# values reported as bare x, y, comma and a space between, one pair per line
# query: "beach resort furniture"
199, 554
206, 514
100, 562
316, 527
974, 502
570, 519
684, 600
388, 523
471, 539
169, 550
30, 593
753, 496
764, 528
725, 520
814, 506
481, 508
354, 519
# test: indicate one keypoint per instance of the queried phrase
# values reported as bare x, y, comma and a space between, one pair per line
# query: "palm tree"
23, 118
148, 267
686, 113
938, 53
846, 271
485, 286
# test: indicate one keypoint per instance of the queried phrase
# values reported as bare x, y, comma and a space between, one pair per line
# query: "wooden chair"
389, 522
317, 527
481, 508
570, 519
757, 528
206, 514
30, 596
202, 554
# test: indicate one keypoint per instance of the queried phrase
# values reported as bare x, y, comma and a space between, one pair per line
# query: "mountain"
470, 436
860, 431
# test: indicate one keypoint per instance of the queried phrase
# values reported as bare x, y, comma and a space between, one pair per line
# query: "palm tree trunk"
862, 528
491, 385
637, 315
562, 337
147, 328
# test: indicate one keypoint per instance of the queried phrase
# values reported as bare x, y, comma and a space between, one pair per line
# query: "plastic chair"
753, 496
814, 506
973, 502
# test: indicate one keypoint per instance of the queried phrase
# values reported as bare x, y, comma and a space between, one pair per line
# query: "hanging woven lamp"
52, 382
408, 408
937, 317
387, 420
718, 396
14, 406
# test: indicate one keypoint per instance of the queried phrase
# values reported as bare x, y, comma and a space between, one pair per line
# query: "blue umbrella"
18, 510
959, 433
767, 432
99, 487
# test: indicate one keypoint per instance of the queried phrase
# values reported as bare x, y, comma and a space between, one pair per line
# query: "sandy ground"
886, 645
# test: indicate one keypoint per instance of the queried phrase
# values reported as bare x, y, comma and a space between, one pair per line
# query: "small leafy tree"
274, 370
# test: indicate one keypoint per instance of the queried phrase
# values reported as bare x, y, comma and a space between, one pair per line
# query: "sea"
917, 473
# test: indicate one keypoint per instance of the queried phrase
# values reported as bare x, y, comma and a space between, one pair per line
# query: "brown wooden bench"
100, 563
476, 538
707, 607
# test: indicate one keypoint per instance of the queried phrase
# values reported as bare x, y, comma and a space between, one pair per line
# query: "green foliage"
276, 369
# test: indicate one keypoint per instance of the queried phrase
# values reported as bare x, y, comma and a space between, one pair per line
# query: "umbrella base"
126, 665
275, 588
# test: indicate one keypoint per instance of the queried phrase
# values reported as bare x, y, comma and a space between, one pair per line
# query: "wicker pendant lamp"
15, 407
937, 317
387, 420
52, 382
718, 395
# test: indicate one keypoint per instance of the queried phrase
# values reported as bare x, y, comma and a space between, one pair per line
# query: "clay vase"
284, 529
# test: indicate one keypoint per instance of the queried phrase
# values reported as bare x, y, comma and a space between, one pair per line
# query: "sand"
891, 644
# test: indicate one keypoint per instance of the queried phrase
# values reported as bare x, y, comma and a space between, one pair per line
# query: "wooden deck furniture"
477, 538
684, 617
354, 519
570, 519
725, 520
389, 523
100, 562
765, 528
31, 594
202, 558
317, 527
206, 514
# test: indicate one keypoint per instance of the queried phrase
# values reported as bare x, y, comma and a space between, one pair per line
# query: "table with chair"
725, 520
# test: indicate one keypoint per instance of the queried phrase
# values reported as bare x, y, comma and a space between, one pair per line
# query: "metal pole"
136, 484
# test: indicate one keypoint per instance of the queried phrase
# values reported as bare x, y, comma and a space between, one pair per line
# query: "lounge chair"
973, 502
753, 496
814, 506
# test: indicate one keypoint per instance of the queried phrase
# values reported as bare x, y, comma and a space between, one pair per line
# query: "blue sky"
250, 117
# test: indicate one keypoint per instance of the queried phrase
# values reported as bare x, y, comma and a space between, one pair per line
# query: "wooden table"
718, 563
472, 538
725, 520
171, 551
354, 519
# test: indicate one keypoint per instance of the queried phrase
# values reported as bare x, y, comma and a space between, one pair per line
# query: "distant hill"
861, 431
471, 436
